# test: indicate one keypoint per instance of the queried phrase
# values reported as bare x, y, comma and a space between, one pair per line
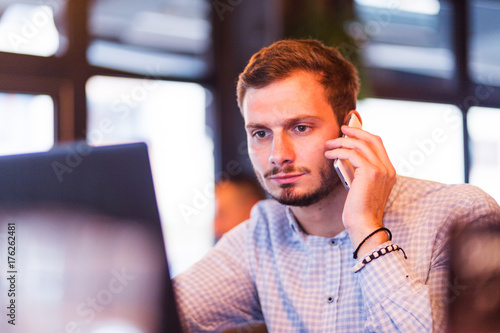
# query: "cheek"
257, 156
314, 151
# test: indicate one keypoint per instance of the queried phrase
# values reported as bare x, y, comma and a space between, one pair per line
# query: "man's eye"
302, 128
260, 134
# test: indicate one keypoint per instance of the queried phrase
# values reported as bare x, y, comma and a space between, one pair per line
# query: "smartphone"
344, 168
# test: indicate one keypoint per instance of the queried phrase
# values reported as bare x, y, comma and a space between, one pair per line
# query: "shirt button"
330, 299
333, 241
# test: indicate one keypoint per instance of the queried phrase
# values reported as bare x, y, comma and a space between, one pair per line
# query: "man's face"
287, 125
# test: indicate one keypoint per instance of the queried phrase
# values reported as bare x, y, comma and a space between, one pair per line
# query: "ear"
348, 115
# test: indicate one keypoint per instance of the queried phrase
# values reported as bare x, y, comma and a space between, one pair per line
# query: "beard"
288, 195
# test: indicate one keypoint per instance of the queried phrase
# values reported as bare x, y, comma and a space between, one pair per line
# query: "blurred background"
164, 72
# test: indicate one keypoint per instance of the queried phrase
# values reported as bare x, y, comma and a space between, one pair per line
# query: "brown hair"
281, 59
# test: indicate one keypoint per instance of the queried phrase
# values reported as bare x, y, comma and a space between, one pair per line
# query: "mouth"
286, 178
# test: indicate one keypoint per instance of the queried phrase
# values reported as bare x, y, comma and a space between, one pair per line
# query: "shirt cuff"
383, 276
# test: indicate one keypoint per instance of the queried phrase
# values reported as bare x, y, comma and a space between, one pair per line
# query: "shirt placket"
331, 291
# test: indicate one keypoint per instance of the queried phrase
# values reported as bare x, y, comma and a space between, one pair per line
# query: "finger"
354, 157
370, 145
373, 170
354, 133
361, 147
374, 141
361, 160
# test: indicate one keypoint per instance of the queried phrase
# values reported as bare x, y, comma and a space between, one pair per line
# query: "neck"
323, 218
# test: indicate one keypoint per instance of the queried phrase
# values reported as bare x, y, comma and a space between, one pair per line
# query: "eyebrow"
287, 122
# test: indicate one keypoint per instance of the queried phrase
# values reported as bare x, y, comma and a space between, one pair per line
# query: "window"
170, 118
423, 140
30, 28
115, 48
485, 149
26, 123
170, 38
484, 65
418, 51
406, 35
156, 42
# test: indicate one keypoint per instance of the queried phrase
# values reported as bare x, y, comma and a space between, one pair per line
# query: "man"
292, 264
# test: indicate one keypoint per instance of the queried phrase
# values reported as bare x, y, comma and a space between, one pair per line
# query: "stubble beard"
288, 195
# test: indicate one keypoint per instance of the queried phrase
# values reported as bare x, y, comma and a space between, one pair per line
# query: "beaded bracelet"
376, 254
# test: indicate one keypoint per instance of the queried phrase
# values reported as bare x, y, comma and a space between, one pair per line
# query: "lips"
286, 178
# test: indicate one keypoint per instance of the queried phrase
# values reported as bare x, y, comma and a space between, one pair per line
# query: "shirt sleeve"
218, 293
396, 301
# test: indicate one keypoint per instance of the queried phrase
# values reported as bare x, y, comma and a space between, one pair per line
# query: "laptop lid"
80, 229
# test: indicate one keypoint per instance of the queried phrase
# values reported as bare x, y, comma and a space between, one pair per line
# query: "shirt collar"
297, 232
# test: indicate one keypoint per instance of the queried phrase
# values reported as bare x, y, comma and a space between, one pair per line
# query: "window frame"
64, 77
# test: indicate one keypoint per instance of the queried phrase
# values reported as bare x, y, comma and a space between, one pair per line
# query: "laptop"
81, 243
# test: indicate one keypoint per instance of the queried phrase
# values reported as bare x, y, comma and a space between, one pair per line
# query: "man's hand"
374, 178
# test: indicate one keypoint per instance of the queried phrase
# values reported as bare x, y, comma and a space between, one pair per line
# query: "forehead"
299, 94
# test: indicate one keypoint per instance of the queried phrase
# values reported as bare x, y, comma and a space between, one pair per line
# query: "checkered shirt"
268, 269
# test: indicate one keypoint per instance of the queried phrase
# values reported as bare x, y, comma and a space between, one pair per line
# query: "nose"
282, 151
